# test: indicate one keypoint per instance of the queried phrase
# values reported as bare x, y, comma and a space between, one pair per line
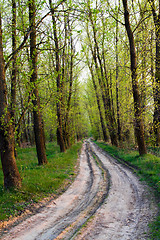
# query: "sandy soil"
106, 201
127, 210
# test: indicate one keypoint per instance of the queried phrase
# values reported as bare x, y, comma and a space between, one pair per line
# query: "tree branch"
142, 20
153, 10
11, 56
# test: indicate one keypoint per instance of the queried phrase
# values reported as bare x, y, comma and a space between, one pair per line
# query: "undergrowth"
147, 167
38, 181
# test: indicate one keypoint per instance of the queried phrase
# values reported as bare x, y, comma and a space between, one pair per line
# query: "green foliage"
156, 229
147, 167
38, 181
154, 150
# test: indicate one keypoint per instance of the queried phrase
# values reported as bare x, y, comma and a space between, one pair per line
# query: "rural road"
106, 201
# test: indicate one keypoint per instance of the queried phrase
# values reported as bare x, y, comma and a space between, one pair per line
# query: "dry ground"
106, 201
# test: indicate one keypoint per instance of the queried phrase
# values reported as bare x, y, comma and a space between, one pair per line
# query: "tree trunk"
157, 87
67, 73
139, 128
71, 54
38, 126
156, 120
109, 111
14, 64
117, 82
60, 139
105, 136
11, 174
154, 95
102, 78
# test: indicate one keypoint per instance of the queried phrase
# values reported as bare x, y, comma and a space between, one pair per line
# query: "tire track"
71, 210
128, 209
96, 200
106, 201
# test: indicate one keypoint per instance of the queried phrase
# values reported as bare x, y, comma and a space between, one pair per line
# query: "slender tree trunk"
11, 174
117, 84
143, 49
105, 136
111, 93
67, 73
153, 86
157, 87
38, 125
14, 64
107, 106
139, 128
143, 87
103, 82
110, 110
29, 128
156, 120
63, 76
60, 139
94, 123
152, 62
67, 127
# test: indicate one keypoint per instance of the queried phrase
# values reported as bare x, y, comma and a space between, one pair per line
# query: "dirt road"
106, 201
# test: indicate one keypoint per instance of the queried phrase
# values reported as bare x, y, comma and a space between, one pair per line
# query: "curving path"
106, 201
127, 210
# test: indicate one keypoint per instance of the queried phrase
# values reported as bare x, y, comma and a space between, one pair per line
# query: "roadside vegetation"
38, 181
146, 166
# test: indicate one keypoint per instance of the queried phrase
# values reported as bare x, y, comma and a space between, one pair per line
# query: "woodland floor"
106, 201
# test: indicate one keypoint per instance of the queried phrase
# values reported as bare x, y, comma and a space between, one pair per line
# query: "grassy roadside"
38, 181
147, 167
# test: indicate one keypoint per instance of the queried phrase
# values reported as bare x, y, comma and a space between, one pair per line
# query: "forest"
76, 69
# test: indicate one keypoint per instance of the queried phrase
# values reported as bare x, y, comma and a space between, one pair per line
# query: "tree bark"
11, 174
156, 90
14, 64
66, 126
105, 136
60, 139
38, 125
139, 128
110, 110
117, 82
103, 82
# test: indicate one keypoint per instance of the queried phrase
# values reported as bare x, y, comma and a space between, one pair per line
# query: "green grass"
38, 181
147, 167
154, 150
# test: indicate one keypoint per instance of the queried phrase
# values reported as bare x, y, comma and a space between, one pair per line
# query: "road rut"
106, 201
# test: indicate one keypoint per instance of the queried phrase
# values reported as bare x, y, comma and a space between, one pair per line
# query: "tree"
100, 66
156, 95
60, 138
38, 124
66, 127
139, 128
14, 64
11, 174
105, 136
117, 81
